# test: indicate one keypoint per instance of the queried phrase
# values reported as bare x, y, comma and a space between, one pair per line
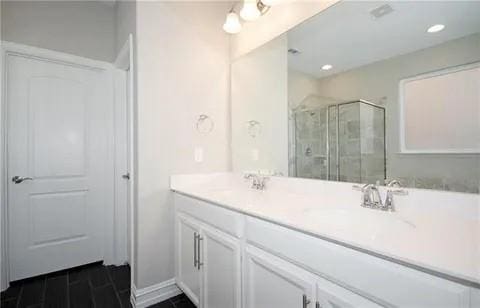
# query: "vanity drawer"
226, 220
383, 281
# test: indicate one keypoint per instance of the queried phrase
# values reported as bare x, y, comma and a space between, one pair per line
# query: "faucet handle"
393, 183
397, 187
362, 188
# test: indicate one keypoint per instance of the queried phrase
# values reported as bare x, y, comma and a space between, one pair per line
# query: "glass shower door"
356, 142
349, 143
311, 144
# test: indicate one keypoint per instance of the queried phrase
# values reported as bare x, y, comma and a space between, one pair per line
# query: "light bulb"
326, 67
232, 23
250, 10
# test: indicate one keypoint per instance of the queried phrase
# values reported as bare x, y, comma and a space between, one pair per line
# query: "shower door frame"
337, 126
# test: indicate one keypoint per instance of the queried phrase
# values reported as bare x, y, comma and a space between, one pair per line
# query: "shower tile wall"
465, 185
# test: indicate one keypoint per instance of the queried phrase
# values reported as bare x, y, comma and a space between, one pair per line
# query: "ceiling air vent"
381, 11
293, 51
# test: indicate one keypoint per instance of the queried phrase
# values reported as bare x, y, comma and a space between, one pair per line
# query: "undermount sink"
360, 223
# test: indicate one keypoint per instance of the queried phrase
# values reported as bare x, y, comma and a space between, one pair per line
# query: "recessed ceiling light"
435, 28
326, 67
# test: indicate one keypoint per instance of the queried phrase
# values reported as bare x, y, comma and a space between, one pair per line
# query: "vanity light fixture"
326, 67
436, 28
251, 10
232, 23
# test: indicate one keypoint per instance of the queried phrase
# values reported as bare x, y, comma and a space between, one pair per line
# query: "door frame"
15, 49
125, 62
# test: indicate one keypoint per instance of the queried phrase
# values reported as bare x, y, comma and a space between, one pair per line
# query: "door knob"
126, 176
19, 179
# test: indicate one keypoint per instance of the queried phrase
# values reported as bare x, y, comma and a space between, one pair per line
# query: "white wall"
300, 87
259, 93
83, 28
183, 71
278, 20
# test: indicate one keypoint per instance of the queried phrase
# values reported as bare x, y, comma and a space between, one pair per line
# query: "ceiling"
348, 36
110, 3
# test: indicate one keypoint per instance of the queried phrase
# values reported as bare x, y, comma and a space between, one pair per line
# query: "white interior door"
122, 173
58, 132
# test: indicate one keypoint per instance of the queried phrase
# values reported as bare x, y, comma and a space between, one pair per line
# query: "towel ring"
204, 124
254, 128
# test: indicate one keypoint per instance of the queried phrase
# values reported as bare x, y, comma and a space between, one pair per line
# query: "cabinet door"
187, 273
221, 271
330, 295
271, 282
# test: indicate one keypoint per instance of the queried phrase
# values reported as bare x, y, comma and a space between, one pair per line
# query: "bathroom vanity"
304, 243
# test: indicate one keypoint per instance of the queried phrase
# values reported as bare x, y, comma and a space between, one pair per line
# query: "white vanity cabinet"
208, 263
225, 259
270, 282
187, 271
329, 295
220, 255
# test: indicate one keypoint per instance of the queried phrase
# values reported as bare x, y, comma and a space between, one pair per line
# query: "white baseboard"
142, 298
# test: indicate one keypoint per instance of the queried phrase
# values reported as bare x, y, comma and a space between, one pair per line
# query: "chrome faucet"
389, 205
258, 181
371, 196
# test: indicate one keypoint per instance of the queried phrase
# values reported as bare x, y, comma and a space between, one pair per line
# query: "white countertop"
436, 231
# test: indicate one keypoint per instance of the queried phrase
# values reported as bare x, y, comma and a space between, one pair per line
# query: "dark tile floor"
89, 286
179, 301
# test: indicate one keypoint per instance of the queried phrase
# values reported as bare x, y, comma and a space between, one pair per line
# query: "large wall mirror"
366, 92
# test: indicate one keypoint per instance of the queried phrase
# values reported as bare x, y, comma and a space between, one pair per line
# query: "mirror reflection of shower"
338, 141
